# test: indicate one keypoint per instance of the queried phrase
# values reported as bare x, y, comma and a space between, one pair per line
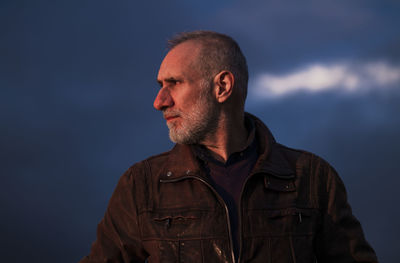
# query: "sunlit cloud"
343, 76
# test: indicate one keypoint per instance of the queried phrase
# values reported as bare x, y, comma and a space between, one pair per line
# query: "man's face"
185, 98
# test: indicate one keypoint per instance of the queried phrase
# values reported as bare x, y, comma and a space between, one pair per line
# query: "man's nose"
163, 100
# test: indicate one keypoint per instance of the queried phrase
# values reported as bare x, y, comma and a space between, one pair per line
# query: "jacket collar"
271, 158
182, 161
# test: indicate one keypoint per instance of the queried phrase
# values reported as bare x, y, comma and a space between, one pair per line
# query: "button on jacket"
293, 208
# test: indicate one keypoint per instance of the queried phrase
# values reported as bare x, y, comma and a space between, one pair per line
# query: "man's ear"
223, 83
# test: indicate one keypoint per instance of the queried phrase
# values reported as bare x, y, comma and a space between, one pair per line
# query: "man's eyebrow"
169, 80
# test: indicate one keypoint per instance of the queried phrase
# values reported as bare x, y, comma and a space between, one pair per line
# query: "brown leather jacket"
293, 209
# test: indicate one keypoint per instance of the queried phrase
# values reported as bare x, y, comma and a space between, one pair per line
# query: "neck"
230, 136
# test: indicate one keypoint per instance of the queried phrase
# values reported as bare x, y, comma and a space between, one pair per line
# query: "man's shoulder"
157, 158
154, 160
295, 157
299, 158
151, 165
309, 169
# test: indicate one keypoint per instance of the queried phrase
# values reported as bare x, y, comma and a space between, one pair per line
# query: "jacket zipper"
219, 199
240, 217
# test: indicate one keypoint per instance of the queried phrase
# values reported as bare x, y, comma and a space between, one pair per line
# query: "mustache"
171, 113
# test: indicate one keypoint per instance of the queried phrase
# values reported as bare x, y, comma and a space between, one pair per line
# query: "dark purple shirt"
228, 178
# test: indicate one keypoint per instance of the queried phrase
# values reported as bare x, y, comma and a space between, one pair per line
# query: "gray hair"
219, 52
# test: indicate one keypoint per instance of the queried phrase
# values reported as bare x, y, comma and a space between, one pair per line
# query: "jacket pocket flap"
288, 212
170, 224
278, 184
175, 218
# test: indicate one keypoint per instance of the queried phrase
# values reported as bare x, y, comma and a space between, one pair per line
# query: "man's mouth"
169, 118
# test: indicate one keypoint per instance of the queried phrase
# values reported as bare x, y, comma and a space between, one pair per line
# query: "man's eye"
174, 81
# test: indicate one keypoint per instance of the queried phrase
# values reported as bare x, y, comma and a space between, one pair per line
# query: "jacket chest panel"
185, 223
185, 235
184, 209
275, 207
279, 223
178, 224
186, 193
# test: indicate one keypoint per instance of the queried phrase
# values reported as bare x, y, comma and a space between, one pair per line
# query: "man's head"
198, 82
218, 52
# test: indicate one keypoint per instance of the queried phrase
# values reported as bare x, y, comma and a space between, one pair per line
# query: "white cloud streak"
341, 76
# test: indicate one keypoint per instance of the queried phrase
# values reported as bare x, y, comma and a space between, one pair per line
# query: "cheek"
184, 101
187, 96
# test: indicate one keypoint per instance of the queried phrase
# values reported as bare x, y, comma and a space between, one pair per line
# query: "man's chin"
176, 137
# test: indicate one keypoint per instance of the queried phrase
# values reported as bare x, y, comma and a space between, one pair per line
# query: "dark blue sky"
77, 83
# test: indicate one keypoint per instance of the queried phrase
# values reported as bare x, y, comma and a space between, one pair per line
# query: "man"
227, 192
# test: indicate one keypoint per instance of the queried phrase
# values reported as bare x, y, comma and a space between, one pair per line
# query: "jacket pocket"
171, 225
175, 221
171, 236
283, 235
292, 221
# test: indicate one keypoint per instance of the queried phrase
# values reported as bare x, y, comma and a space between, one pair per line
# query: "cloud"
343, 76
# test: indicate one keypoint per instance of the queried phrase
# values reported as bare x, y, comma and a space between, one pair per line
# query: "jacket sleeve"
118, 235
340, 237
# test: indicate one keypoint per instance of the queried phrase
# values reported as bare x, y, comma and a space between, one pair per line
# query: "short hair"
219, 52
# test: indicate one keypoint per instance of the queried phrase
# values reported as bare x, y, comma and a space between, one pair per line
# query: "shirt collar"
204, 154
182, 158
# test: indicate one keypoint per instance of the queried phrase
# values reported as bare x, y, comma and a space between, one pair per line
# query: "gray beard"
197, 124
